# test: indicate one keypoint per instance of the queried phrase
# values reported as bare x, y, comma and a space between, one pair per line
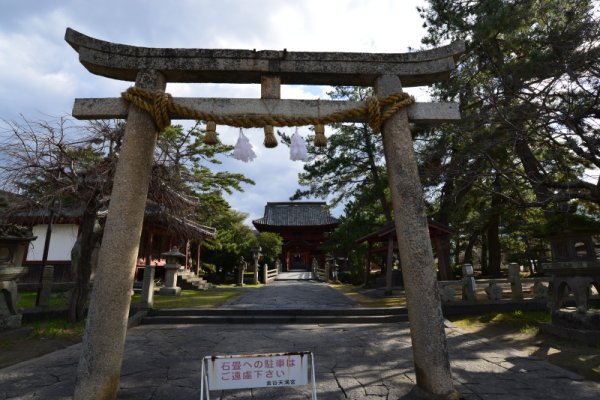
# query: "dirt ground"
22, 345
583, 360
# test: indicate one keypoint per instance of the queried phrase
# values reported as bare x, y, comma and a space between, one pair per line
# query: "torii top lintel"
123, 62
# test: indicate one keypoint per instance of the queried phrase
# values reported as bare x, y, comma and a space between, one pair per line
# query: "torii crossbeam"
151, 69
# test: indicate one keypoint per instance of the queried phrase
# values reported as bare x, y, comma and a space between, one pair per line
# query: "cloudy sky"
40, 74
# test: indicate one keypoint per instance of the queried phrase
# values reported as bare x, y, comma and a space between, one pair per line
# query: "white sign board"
254, 371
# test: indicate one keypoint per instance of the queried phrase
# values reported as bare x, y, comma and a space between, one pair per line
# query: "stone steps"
276, 316
190, 281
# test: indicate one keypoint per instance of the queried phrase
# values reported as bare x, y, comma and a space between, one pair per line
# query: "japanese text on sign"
238, 372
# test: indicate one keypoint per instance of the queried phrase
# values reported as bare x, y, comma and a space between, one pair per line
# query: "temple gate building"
304, 226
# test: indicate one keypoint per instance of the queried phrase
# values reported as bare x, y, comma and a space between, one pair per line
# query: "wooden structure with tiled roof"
161, 230
384, 239
304, 226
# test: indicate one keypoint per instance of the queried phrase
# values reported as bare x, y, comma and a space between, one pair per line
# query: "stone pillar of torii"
152, 68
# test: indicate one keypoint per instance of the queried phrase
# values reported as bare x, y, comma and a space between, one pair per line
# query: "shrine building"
304, 226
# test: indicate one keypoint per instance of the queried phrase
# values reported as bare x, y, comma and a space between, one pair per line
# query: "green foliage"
27, 300
527, 87
351, 166
270, 244
364, 300
184, 162
522, 320
354, 276
355, 223
563, 223
234, 239
57, 328
191, 299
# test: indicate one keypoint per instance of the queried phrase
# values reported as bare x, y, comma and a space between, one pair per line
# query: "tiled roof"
156, 212
383, 233
296, 214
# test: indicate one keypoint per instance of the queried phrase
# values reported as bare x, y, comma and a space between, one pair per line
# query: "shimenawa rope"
161, 106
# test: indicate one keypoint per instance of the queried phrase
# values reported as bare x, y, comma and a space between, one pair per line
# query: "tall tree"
234, 239
56, 171
531, 78
351, 166
63, 165
183, 163
529, 92
270, 244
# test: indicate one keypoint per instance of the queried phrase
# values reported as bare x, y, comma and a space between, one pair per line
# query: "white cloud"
40, 72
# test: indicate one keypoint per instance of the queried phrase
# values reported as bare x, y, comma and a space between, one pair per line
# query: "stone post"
99, 367
256, 254
265, 274
494, 292
468, 283
241, 268
389, 267
46, 286
540, 291
334, 271
430, 353
327, 269
516, 289
447, 294
147, 297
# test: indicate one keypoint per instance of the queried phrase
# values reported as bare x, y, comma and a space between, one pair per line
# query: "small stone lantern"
173, 263
256, 254
13, 243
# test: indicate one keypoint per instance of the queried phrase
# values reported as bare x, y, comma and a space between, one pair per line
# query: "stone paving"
352, 362
290, 294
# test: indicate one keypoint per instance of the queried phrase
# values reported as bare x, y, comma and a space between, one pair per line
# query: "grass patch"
246, 285
191, 299
57, 328
366, 301
7, 344
523, 321
27, 299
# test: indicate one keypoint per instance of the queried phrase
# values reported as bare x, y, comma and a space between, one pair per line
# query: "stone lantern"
13, 243
575, 268
256, 254
575, 265
173, 262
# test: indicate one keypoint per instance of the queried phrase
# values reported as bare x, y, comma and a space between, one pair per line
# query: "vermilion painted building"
304, 226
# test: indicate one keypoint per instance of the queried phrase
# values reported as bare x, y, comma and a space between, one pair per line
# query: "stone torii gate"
151, 69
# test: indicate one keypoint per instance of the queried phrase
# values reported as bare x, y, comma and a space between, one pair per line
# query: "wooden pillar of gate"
430, 353
102, 349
